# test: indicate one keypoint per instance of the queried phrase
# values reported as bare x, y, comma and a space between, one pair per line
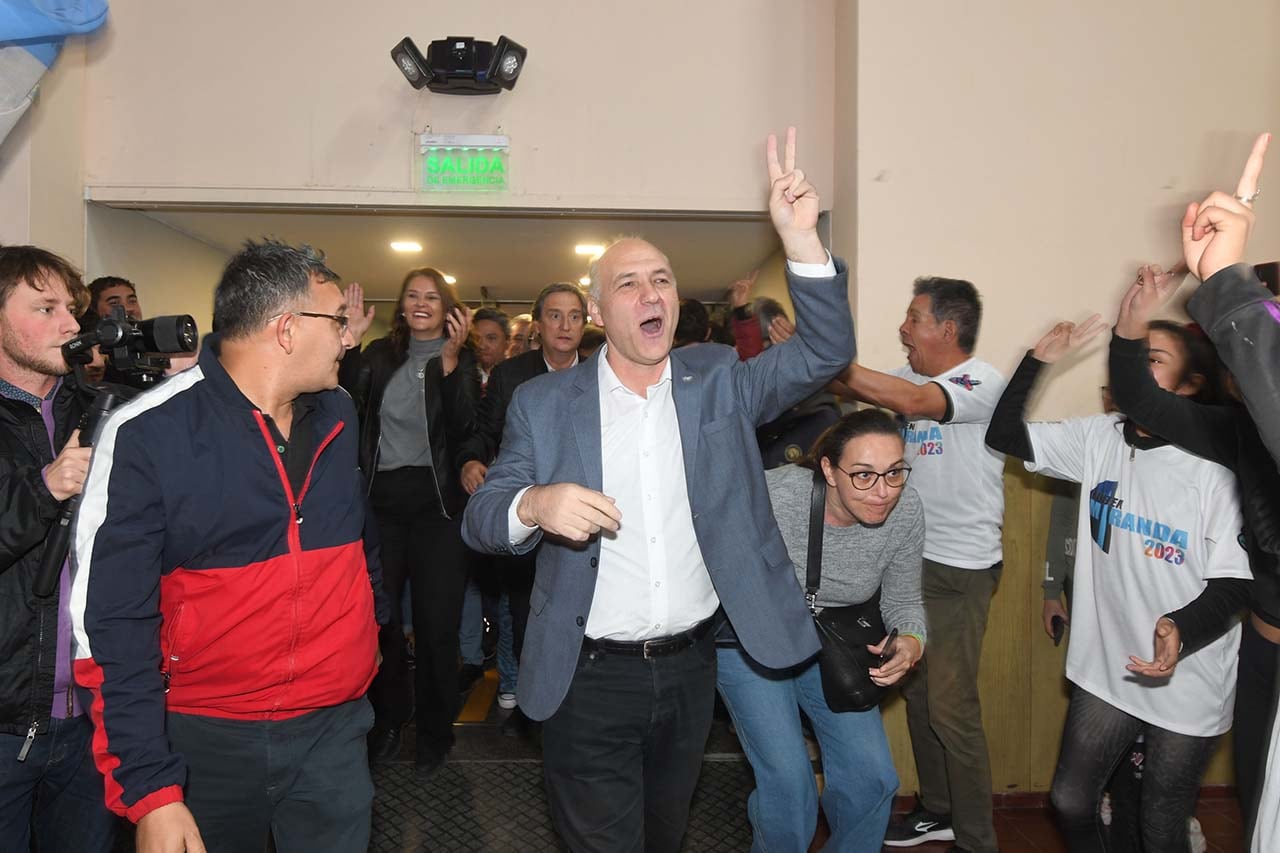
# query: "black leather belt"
655, 648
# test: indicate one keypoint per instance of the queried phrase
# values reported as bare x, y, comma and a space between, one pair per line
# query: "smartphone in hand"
889, 647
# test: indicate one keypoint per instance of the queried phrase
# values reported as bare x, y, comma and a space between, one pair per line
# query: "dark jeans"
622, 753
57, 794
421, 545
1255, 709
1096, 737
304, 780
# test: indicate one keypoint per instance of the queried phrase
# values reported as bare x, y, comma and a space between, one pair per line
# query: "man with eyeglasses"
225, 595
945, 398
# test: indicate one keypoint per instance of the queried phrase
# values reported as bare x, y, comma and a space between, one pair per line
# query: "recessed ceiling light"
585, 281
593, 249
406, 246
448, 279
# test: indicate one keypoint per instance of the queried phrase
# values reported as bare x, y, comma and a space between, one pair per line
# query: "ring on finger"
1248, 199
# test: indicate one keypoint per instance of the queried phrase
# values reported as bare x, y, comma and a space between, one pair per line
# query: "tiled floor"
489, 798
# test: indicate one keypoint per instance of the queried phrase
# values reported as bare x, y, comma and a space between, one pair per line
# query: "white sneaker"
506, 701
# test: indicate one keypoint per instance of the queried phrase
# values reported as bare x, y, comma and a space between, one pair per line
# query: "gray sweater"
406, 436
857, 559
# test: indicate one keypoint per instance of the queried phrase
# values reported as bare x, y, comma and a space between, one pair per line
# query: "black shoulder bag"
845, 631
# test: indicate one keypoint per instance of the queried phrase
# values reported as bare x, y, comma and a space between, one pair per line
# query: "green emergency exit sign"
462, 162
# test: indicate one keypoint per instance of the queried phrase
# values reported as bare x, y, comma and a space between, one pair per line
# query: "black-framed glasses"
341, 319
894, 478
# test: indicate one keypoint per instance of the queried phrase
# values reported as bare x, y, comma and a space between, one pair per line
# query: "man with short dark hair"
492, 332
693, 326
945, 398
108, 291
559, 316
50, 791
224, 602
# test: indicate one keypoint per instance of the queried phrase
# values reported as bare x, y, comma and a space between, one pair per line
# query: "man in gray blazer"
640, 473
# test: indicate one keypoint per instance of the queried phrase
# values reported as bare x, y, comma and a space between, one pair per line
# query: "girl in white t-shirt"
1158, 548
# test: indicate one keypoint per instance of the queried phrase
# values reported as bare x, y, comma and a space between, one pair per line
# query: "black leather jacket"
450, 410
28, 626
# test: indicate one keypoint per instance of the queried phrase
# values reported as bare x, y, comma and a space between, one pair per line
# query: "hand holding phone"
886, 652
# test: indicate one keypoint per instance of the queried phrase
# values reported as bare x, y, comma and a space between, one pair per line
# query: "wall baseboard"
1040, 799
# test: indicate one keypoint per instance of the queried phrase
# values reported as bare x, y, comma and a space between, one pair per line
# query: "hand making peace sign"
793, 204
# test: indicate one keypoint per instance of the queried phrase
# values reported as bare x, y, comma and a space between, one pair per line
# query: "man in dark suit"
639, 472
559, 316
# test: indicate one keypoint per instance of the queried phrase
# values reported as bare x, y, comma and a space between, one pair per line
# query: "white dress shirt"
652, 581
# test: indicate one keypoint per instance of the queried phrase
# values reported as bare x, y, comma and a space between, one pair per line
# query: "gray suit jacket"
552, 435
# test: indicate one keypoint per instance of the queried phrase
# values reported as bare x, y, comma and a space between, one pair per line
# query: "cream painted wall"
174, 273
657, 105
1043, 151
41, 163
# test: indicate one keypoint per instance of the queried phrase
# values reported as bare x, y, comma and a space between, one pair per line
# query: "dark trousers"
304, 780
622, 753
1255, 709
56, 794
1096, 737
421, 545
516, 575
944, 710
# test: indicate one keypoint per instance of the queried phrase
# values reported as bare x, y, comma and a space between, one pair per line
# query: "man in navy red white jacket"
223, 601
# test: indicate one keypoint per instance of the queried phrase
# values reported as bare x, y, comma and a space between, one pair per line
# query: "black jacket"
1243, 321
450, 410
28, 627
491, 413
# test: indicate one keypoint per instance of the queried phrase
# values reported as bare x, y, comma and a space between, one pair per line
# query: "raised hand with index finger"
1216, 231
793, 204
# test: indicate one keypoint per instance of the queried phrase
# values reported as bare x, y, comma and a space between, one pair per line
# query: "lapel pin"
686, 378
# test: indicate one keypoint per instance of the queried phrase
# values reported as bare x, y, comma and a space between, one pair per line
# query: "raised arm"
783, 375
1207, 431
1008, 431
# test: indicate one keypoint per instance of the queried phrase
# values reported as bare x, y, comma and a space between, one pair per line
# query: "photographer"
48, 786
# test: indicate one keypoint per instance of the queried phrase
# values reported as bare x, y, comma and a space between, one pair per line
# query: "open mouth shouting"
652, 327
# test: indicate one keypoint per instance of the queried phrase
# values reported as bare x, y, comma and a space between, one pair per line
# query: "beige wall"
174, 273
656, 105
1043, 151
41, 163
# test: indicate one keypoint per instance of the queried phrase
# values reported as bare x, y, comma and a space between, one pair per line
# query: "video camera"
135, 347
138, 348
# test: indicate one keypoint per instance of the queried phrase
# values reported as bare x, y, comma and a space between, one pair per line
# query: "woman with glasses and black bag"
856, 536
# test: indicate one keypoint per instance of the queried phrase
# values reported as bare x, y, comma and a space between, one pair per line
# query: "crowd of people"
644, 517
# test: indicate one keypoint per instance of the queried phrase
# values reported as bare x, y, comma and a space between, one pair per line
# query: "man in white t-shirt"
945, 398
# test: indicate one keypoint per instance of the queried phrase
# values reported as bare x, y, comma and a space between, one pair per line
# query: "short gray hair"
593, 271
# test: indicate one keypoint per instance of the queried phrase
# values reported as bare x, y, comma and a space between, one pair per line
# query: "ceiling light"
585, 281
448, 279
406, 246
591, 249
